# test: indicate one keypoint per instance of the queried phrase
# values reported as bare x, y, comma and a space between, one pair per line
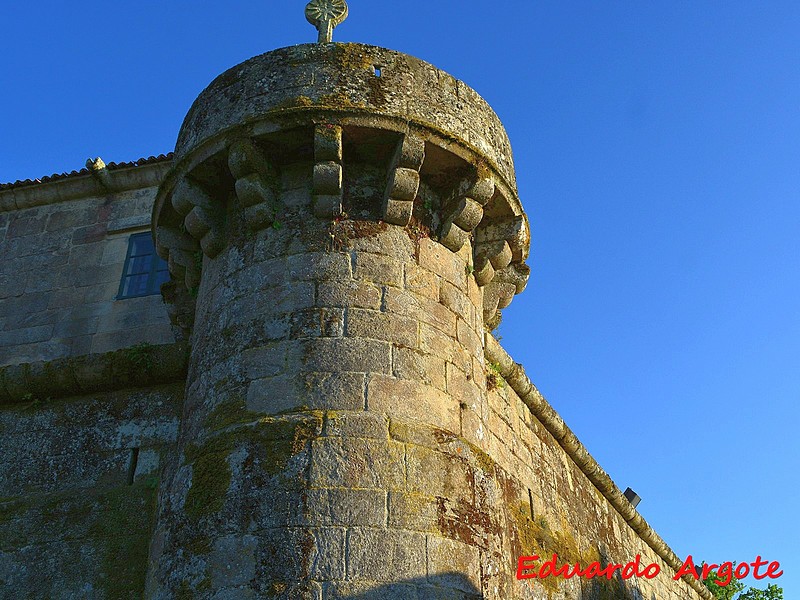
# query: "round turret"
341, 226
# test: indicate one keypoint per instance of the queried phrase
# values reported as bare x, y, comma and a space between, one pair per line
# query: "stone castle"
314, 406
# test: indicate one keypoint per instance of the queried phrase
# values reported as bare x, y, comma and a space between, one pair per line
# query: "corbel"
100, 173
327, 180
257, 183
202, 215
497, 244
463, 210
402, 182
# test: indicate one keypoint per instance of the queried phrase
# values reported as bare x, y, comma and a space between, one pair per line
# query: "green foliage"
494, 378
728, 592
773, 592
722, 592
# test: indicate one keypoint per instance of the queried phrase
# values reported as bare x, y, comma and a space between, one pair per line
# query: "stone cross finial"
325, 15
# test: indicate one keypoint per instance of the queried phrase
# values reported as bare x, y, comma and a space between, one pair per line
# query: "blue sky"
657, 147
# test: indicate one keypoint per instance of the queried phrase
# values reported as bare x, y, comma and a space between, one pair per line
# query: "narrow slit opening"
132, 463
378, 71
530, 503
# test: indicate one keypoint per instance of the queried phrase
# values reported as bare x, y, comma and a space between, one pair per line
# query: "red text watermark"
528, 567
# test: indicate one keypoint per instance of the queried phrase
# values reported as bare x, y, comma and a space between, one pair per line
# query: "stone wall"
336, 260
553, 507
77, 492
60, 270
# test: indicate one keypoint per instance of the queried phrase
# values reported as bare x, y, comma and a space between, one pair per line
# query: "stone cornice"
138, 366
515, 376
84, 185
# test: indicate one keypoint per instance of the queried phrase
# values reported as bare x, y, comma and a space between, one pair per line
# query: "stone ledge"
138, 366
515, 376
83, 186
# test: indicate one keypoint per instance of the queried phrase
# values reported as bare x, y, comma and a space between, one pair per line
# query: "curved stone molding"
39, 383
342, 78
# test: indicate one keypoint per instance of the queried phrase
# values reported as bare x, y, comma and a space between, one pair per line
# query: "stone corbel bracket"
402, 182
463, 211
100, 172
500, 244
327, 183
500, 250
236, 180
257, 184
203, 215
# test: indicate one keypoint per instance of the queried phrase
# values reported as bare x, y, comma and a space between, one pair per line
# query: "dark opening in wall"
530, 502
132, 463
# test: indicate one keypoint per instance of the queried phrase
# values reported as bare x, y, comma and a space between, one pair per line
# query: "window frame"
152, 288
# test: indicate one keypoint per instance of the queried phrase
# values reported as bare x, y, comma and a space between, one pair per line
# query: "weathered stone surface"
347, 507
438, 259
454, 564
55, 262
341, 433
420, 401
415, 365
377, 325
378, 269
357, 463
377, 556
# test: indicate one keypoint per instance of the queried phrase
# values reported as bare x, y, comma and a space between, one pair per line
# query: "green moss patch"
113, 526
271, 442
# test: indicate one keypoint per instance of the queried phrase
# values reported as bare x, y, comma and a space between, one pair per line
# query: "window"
144, 270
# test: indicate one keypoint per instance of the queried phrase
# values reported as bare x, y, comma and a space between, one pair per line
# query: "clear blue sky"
657, 147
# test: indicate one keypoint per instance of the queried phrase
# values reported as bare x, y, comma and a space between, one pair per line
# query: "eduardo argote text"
528, 567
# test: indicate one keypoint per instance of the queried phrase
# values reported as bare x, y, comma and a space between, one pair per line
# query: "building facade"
263, 367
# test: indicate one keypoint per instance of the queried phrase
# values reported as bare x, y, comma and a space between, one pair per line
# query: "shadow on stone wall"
456, 586
445, 586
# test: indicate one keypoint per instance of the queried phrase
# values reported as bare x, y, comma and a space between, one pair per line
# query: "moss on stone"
211, 477
485, 462
184, 591
200, 544
338, 100
139, 356
230, 412
351, 57
536, 537
273, 441
123, 528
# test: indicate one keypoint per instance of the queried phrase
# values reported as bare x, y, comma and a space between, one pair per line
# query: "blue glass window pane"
144, 270
141, 245
140, 264
135, 285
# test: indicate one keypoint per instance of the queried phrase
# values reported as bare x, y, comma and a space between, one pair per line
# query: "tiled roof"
112, 166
